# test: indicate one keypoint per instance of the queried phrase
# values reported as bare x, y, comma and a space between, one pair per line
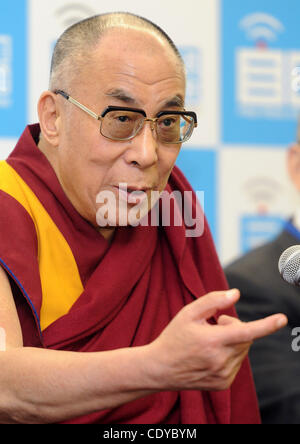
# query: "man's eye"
169, 122
123, 119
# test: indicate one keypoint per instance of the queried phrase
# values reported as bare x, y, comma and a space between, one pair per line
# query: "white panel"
253, 184
6, 146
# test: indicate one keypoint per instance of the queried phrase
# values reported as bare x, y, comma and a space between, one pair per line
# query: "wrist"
132, 369
154, 367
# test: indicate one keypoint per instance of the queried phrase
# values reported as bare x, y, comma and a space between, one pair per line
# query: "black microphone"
289, 265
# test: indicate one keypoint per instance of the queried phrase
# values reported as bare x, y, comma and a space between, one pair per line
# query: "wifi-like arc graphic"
73, 12
261, 26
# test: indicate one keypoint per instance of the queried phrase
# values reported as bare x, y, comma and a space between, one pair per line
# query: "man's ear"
293, 164
49, 117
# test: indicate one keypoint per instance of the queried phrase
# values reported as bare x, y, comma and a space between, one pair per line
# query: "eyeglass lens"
124, 125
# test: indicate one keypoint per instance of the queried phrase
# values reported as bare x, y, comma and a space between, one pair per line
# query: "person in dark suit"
275, 361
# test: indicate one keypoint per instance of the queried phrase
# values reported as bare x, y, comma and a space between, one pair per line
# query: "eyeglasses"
121, 123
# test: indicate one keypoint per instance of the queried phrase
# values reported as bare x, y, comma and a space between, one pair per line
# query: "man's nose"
143, 147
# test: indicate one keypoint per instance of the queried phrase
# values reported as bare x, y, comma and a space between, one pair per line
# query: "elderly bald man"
113, 321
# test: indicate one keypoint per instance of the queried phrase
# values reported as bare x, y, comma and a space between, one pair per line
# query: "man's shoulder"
259, 258
260, 266
17, 225
257, 276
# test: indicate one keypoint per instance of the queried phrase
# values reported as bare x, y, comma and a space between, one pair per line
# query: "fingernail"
281, 322
231, 294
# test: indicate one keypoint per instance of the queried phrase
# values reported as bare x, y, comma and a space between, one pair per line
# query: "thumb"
206, 306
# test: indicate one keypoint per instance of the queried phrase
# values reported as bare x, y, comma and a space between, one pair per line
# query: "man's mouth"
136, 193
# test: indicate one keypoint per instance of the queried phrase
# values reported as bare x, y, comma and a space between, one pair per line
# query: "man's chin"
130, 218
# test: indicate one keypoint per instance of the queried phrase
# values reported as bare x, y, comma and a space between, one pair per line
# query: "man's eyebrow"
176, 101
121, 95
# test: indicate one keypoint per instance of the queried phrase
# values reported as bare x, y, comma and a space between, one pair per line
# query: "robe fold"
73, 291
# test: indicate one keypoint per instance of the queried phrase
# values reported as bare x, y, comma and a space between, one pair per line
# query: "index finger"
243, 332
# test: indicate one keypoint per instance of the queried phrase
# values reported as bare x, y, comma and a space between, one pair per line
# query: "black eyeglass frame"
101, 116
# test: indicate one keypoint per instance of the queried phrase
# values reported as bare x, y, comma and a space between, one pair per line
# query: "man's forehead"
131, 75
126, 97
132, 36
122, 43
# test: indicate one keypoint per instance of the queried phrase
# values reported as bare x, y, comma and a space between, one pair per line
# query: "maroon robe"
132, 290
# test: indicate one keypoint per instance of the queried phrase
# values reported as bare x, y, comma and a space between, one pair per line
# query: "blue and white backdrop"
243, 64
